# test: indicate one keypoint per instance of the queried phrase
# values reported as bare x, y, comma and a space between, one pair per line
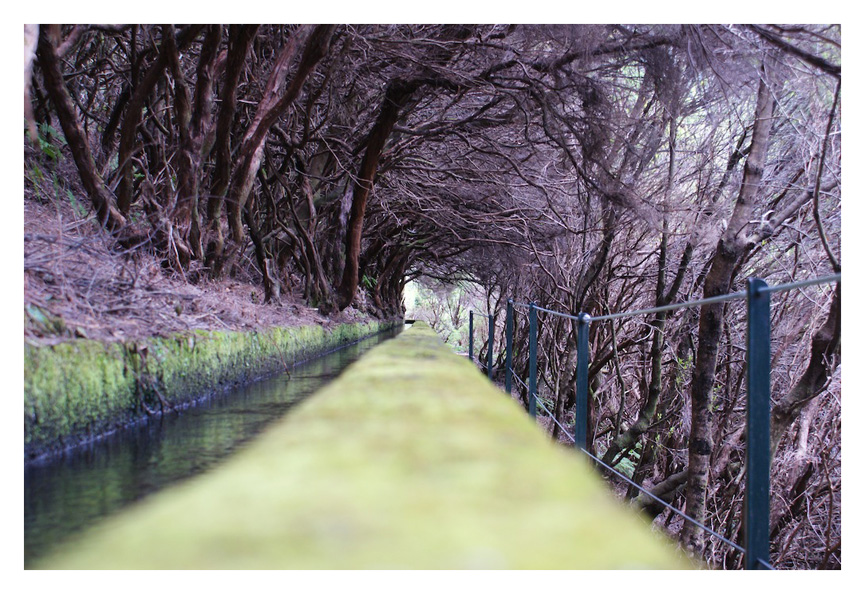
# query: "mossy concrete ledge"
410, 459
79, 390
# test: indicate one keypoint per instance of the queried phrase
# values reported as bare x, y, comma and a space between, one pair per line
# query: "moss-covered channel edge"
78, 391
410, 459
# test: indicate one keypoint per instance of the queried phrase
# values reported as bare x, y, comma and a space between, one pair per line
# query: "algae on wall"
410, 459
78, 390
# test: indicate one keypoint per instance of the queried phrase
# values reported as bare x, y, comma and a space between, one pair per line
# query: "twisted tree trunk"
109, 216
397, 95
731, 247
132, 119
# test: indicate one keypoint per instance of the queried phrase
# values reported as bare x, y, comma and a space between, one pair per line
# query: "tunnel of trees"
596, 168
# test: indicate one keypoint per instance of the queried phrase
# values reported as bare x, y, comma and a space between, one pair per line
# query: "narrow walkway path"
411, 459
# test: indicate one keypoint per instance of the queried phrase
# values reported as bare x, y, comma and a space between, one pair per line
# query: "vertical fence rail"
533, 359
509, 345
471, 335
581, 417
490, 337
758, 455
758, 409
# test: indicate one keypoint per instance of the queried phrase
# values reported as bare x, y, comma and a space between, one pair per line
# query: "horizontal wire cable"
799, 284
664, 503
516, 377
697, 302
671, 307
562, 315
707, 301
541, 402
553, 417
639, 487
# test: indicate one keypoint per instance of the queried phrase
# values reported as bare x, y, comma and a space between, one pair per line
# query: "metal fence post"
533, 359
758, 419
490, 339
471, 335
581, 416
509, 344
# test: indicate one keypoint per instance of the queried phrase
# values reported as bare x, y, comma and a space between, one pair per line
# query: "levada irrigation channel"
64, 496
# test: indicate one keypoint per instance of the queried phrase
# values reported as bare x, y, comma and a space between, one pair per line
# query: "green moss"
80, 389
410, 459
71, 388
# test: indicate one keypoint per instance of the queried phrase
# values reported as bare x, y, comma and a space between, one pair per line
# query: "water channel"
66, 495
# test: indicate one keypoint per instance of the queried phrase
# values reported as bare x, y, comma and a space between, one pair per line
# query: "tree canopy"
587, 168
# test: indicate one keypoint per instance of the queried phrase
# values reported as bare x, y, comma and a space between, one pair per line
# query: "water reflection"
64, 496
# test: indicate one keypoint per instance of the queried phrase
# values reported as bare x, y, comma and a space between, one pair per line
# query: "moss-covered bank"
76, 391
410, 459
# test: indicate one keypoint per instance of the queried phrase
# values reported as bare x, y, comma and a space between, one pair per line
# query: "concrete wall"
410, 459
79, 390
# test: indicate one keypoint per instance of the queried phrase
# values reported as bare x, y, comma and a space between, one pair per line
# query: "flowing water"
63, 496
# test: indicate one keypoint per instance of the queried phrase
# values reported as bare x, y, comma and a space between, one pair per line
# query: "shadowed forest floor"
77, 285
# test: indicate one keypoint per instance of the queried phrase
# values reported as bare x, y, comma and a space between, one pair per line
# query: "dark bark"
318, 288
131, 121
825, 351
649, 410
807, 57
397, 95
265, 263
666, 491
731, 248
272, 106
240, 39
193, 124
109, 216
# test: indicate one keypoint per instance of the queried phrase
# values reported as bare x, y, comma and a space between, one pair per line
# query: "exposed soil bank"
79, 390
409, 459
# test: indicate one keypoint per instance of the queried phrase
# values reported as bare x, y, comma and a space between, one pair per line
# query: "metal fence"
491, 334
758, 408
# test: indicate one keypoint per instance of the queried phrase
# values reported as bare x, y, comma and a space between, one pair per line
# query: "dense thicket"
586, 168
